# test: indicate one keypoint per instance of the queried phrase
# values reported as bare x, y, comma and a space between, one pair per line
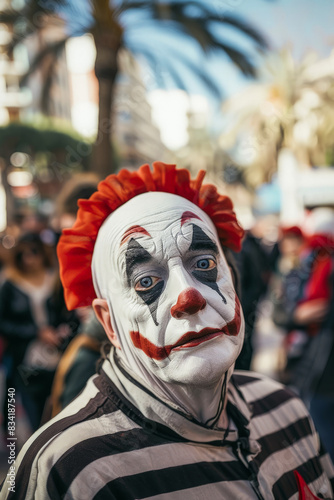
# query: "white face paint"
158, 262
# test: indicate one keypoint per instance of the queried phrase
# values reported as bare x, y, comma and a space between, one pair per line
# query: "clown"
165, 417
168, 303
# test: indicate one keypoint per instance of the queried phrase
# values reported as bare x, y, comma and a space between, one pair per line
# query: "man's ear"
102, 313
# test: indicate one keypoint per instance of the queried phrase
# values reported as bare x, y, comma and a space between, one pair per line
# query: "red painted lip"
192, 339
189, 339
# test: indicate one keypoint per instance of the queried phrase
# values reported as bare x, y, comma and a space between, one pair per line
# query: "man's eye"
146, 283
205, 264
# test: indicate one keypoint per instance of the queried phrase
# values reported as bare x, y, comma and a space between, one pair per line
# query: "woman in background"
34, 322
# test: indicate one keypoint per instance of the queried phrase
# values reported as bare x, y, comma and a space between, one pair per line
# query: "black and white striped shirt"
116, 440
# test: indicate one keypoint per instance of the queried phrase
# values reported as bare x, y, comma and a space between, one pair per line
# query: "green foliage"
32, 140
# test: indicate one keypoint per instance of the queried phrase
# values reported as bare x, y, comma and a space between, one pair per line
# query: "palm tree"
291, 107
156, 30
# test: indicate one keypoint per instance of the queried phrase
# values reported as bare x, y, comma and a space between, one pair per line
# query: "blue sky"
302, 25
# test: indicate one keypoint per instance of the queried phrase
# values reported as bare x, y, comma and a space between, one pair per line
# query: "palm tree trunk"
102, 149
106, 69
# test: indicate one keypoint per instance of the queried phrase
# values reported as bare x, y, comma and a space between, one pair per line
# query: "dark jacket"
17, 325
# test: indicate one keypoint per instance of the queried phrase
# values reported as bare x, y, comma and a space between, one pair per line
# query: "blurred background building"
49, 83
13, 99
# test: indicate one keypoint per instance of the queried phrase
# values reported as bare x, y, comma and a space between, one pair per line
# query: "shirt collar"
168, 414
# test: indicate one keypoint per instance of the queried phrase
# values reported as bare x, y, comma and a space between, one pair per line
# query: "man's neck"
202, 403
206, 405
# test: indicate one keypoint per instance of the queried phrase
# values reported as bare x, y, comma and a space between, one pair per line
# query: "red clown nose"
190, 301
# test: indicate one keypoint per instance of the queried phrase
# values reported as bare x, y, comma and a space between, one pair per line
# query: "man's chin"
196, 368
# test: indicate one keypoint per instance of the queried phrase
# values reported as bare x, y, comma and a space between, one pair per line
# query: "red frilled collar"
76, 245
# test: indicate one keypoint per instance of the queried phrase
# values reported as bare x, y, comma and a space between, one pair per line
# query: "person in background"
254, 269
34, 322
165, 417
79, 360
312, 374
285, 287
77, 364
291, 241
302, 308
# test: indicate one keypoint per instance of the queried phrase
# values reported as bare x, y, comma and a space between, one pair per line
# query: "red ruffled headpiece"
76, 245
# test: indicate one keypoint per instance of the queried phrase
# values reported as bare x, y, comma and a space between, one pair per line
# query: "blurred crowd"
35, 326
47, 352
295, 274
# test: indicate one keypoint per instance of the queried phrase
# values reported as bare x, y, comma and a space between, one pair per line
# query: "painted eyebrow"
188, 215
201, 241
135, 255
132, 230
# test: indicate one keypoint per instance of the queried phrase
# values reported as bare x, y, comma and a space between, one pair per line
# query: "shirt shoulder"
264, 393
64, 442
282, 426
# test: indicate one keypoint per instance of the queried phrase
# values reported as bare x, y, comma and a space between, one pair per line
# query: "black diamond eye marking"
135, 256
201, 241
151, 298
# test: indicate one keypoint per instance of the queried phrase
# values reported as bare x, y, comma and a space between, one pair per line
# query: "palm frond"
212, 45
165, 62
198, 31
126, 6
181, 17
159, 69
52, 50
243, 28
176, 13
198, 72
240, 59
154, 63
196, 17
32, 18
